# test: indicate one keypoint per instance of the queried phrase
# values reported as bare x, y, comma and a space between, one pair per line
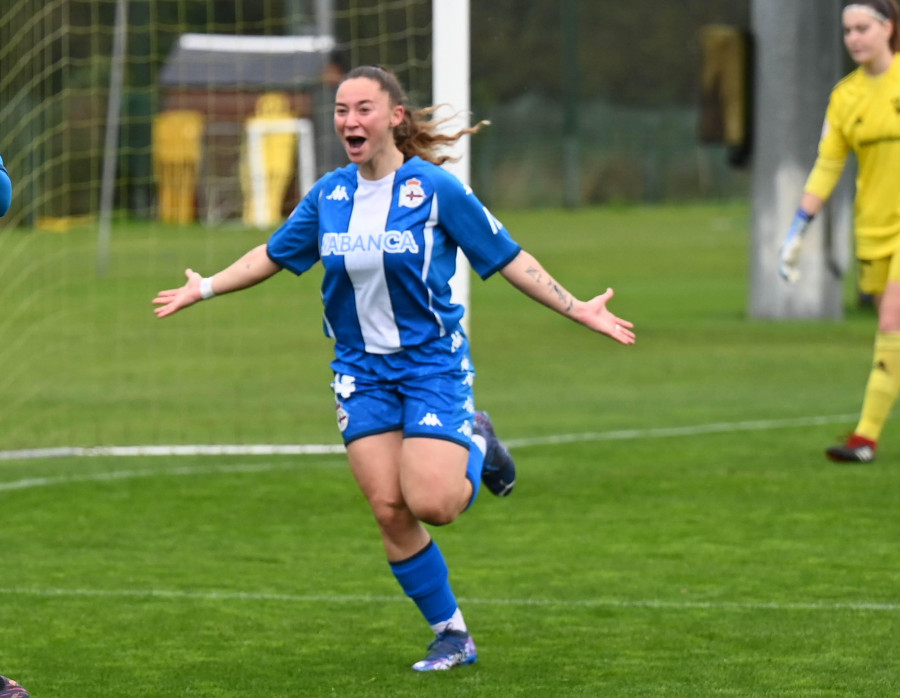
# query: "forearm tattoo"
538, 277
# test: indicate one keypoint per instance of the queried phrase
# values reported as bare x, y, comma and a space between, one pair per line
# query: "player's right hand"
174, 299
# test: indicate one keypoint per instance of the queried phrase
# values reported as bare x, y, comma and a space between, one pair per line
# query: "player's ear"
397, 114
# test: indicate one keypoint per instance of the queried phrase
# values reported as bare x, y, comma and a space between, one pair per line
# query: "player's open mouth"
355, 142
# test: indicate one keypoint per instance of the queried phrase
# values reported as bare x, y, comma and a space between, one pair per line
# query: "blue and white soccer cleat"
499, 474
450, 648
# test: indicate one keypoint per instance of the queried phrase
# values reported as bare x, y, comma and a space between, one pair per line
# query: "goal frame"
451, 85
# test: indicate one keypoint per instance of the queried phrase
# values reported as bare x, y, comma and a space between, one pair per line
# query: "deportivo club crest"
343, 419
412, 194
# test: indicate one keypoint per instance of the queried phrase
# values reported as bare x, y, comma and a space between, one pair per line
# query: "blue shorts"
424, 391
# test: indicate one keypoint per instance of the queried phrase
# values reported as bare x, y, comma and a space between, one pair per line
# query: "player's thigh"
433, 475
375, 463
889, 308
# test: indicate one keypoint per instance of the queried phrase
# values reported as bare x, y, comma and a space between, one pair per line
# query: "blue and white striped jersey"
389, 250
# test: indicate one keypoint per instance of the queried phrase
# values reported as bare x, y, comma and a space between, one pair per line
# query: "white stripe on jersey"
371, 206
429, 249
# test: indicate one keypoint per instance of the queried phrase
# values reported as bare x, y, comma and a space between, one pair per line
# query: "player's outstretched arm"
527, 275
249, 270
5, 189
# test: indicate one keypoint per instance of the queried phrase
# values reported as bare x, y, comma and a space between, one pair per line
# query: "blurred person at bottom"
863, 116
387, 228
11, 689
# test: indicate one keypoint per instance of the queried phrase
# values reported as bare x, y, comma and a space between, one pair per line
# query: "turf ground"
675, 531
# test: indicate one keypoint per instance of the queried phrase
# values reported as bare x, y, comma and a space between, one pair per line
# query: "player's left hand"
789, 258
597, 317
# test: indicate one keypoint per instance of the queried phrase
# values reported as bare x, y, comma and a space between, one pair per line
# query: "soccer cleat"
450, 648
499, 473
857, 449
11, 689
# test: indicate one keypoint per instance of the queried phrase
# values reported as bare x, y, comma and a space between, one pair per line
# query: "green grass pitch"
676, 530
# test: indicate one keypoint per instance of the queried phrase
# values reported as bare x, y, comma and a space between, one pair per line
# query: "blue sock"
473, 470
426, 580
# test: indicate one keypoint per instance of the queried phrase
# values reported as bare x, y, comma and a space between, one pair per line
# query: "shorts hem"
462, 441
372, 432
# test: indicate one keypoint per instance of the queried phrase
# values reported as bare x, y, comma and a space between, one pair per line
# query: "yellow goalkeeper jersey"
864, 116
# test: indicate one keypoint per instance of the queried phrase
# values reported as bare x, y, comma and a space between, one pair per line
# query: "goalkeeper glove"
789, 254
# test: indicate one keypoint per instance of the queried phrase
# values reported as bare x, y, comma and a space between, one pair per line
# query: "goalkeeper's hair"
419, 133
890, 10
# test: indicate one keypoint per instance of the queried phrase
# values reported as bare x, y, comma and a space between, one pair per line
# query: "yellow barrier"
269, 159
177, 138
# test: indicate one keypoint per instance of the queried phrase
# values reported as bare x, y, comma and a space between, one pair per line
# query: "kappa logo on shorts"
430, 420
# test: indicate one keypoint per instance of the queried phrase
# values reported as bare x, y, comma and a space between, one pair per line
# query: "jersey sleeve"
5, 189
833, 151
295, 245
485, 241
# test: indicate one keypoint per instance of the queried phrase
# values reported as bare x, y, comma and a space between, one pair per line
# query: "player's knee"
390, 515
435, 511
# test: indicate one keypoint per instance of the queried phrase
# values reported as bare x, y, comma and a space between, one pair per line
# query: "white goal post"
450, 80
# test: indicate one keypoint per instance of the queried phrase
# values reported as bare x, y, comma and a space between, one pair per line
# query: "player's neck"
381, 166
880, 65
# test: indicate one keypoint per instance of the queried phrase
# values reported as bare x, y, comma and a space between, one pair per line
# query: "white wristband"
206, 289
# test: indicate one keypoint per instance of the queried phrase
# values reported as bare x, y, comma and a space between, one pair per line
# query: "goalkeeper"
5, 189
863, 115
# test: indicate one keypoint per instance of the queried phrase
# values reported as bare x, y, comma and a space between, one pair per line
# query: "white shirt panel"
365, 267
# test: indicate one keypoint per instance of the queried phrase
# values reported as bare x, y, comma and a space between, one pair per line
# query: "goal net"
189, 129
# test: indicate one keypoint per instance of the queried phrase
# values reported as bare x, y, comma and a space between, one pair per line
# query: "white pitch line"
666, 432
328, 449
30, 483
811, 606
182, 450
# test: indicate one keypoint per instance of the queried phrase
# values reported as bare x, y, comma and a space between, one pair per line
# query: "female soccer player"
5, 189
864, 116
386, 229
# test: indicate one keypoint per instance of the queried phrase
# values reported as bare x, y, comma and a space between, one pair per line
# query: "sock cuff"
423, 573
424, 578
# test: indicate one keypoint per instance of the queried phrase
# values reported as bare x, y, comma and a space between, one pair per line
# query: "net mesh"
87, 363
